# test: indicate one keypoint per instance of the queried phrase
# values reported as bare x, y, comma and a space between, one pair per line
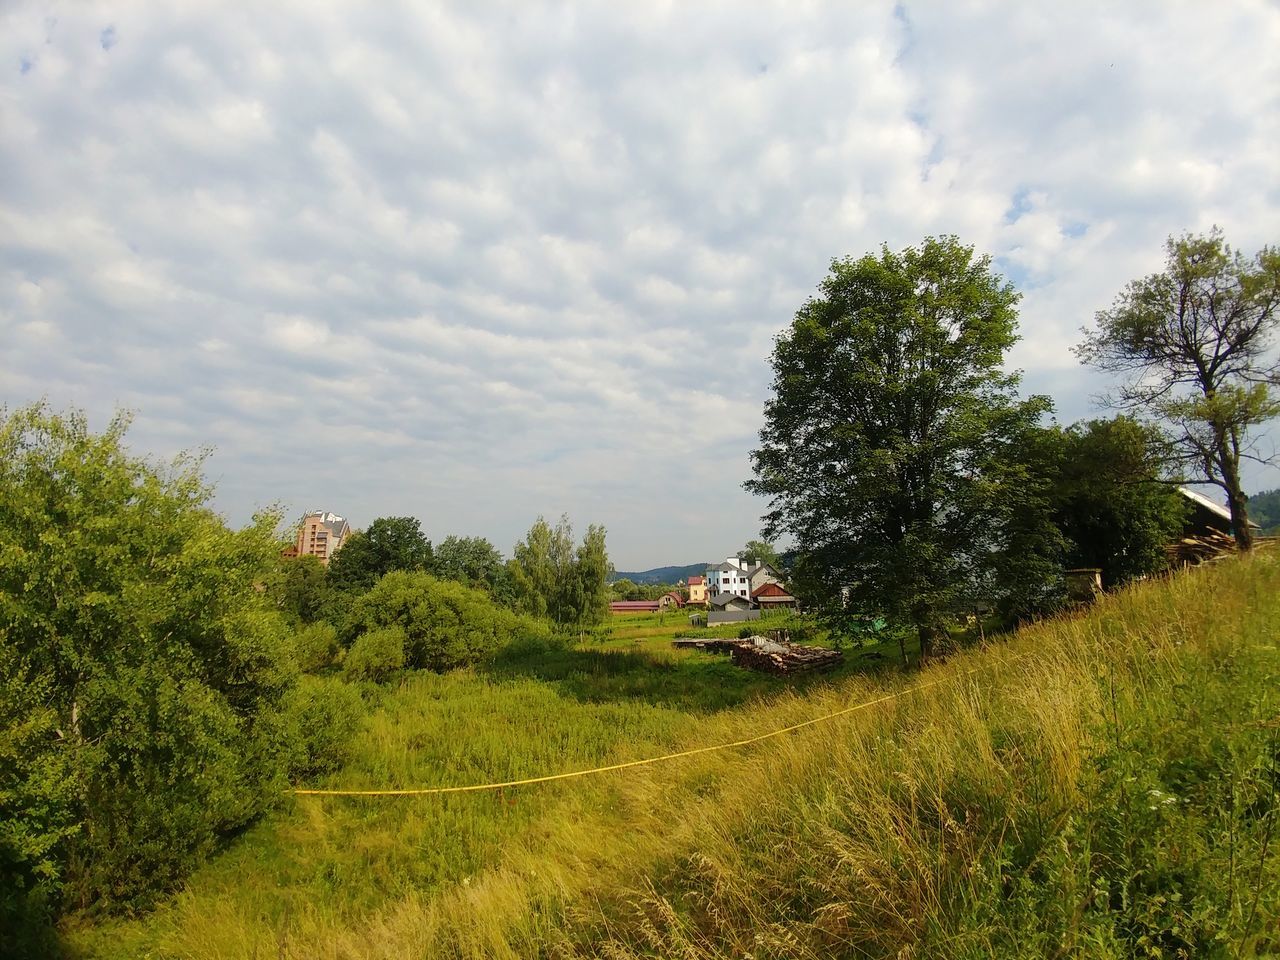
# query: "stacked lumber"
709, 644
1202, 549
759, 653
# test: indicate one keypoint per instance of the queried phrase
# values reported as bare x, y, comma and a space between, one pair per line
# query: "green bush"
315, 647
141, 669
321, 716
376, 655
444, 624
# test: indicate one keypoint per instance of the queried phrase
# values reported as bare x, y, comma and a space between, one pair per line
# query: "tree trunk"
926, 634
1238, 503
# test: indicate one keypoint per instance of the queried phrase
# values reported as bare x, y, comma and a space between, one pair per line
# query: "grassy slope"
1101, 786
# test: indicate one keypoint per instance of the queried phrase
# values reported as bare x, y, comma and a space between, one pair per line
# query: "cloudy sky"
480, 262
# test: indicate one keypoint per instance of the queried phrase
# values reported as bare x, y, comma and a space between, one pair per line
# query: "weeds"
1103, 787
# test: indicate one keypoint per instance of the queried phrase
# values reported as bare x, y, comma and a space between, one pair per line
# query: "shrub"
444, 624
143, 665
321, 715
315, 647
376, 655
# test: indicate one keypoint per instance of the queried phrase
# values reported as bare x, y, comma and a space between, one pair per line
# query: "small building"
730, 601
1205, 517
634, 606
698, 590
664, 602
731, 608
773, 596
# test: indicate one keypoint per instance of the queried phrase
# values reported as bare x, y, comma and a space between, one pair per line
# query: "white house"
732, 576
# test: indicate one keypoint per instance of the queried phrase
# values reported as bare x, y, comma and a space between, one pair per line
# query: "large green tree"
141, 669
390, 543
1194, 346
758, 551
890, 443
551, 579
1110, 498
475, 562
592, 571
299, 588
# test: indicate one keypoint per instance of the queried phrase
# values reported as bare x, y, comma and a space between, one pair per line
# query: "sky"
475, 263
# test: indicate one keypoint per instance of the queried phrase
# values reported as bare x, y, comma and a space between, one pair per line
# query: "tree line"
917, 484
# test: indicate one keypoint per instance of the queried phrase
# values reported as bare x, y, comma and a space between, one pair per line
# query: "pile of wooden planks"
1202, 549
759, 653
709, 644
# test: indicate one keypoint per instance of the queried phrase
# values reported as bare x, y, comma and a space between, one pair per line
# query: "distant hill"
1264, 510
661, 574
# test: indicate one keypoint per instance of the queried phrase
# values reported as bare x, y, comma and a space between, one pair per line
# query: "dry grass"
1017, 808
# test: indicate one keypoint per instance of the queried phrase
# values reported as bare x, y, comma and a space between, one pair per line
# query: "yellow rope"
472, 788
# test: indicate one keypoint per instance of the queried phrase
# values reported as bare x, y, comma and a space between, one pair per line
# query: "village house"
698, 590
761, 574
773, 596
664, 602
731, 576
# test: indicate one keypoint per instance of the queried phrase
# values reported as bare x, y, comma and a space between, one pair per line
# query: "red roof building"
773, 595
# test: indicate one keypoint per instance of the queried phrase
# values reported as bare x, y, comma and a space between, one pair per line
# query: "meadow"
1101, 785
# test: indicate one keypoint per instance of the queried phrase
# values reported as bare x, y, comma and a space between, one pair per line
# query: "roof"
1217, 509
724, 599
772, 590
634, 606
697, 581
329, 521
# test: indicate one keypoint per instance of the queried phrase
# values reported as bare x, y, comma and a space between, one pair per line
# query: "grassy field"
1103, 786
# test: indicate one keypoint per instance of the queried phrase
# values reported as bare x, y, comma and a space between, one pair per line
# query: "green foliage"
38, 807
625, 589
299, 588
553, 580
1194, 346
445, 625
759, 551
144, 664
1264, 509
321, 715
390, 543
1109, 501
1097, 786
1091, 495
315, 647
591, 572
541, 568
376, 654
474, 562
890, 451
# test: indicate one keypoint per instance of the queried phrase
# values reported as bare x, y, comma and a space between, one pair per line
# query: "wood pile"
760, 653
1203, 549
709, 644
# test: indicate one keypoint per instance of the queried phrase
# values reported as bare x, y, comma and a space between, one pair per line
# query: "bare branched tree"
1194, 348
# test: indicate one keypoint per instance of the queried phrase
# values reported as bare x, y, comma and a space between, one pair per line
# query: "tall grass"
1103, 786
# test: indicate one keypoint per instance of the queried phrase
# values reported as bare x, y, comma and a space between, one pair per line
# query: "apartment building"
322, 535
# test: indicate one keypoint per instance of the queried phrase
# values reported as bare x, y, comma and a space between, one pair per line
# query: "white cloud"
519, 262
